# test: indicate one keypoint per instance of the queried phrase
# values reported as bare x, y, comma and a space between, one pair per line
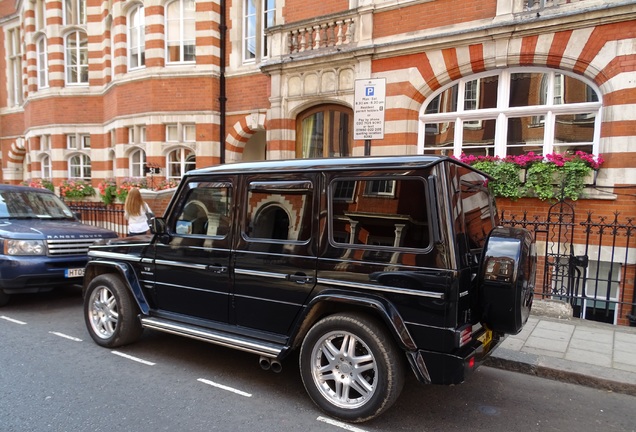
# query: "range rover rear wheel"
110, 312
4, 298
351, 367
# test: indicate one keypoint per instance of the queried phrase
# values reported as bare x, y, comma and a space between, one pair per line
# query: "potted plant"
76, 189
107, 191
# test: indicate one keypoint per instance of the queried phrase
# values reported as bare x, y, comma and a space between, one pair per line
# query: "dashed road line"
224, 387
12, 320
340, 424
66, 336
137, 359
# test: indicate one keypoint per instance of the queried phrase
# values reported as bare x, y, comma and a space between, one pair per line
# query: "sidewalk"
571, 350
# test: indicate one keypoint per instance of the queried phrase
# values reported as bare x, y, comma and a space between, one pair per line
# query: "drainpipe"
222, 95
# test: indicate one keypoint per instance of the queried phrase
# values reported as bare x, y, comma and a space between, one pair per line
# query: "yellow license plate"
486, 338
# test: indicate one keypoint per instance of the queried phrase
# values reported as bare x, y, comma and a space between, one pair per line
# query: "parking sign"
368, 113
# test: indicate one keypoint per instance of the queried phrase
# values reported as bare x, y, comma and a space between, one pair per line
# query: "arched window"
136, 163
76, 53
512, 112
179, 161
136, 38
79, 167
42, 62
180, 31
324, 131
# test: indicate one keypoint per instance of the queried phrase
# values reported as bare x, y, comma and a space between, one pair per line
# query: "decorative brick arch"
240, 134
15, 161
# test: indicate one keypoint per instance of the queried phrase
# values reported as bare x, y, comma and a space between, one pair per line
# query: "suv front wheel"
110, 312
351, 367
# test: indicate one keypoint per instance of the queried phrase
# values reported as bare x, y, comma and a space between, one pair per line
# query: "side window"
206, 210
278, 213
383, 214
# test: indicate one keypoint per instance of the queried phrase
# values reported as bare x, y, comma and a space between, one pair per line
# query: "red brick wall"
298, 10
431, 15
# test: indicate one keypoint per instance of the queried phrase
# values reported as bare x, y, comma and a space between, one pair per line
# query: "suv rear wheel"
110, 312
351, 367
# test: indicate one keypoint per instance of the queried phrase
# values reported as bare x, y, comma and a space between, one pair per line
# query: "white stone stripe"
436, 59
622, 81
625, 112
575, 46
403, 102
463, 60
544, 43
618, 144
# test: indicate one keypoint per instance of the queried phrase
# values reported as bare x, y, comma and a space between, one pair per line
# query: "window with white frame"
136, 38
74, 12
45, 164
258, 16
511, 112
45, 142
136, 134
14, 56
79, 167
180, 31
180, 161
137, 163
178, 132
78, 141
40, 15
42, 62
76, 57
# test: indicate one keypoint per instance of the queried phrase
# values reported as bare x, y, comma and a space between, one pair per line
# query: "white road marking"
129, 357
12, 320
66, 336
340, 424
221, 386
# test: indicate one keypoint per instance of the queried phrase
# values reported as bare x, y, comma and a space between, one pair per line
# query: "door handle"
299, 278
217, 269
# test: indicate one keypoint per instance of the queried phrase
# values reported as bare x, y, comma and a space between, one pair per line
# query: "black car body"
367, 265
43, 244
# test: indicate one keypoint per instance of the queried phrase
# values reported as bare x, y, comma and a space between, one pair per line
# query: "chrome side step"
212, 336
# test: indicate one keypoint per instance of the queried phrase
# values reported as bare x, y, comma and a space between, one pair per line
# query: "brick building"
98, 89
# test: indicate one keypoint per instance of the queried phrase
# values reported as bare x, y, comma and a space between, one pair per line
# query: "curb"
565, 371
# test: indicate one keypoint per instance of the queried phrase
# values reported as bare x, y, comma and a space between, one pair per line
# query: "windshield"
26, 204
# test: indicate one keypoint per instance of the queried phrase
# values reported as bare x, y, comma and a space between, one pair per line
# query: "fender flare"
128, 276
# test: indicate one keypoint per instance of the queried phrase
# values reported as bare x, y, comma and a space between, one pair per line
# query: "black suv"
369, 266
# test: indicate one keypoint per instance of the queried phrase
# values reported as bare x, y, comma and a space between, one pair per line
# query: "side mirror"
158, 225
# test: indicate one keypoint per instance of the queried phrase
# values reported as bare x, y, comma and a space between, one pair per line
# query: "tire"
110, 312
351, 388
4, 298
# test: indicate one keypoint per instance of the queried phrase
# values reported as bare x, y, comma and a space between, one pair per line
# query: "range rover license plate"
76, 272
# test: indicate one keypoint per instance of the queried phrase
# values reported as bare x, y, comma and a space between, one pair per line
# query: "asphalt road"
54, 378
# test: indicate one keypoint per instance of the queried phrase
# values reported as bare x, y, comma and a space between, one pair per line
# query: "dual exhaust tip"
267, 363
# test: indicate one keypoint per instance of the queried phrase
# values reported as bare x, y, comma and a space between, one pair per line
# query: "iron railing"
99, 214
590, 262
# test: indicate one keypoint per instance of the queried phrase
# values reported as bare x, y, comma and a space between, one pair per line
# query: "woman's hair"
134, 202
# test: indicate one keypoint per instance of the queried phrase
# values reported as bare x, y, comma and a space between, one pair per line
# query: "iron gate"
589, 262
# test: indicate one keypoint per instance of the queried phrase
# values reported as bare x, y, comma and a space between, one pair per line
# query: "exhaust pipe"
265, 363
276, 366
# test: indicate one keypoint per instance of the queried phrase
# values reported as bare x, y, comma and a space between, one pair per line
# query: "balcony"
322, 36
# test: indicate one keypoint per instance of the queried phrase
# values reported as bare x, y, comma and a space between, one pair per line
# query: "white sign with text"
368, 112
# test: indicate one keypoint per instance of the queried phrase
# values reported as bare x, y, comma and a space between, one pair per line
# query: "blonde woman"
135, 209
